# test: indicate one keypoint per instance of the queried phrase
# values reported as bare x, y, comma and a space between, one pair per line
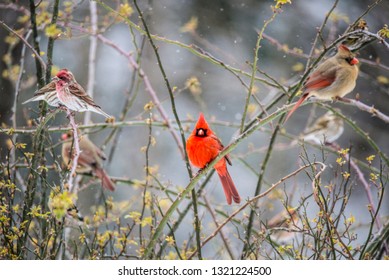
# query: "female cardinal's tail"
106, 182
298, 103
228, 185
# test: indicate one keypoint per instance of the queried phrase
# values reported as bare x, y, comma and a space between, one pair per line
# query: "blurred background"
227, 30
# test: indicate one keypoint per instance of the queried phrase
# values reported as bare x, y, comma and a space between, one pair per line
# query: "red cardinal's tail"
298, 103
106, 182
228, 185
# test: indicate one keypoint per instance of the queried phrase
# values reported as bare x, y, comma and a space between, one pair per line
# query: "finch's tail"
99, 111
35, 98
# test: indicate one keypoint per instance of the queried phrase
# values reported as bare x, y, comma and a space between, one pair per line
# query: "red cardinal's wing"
221, 147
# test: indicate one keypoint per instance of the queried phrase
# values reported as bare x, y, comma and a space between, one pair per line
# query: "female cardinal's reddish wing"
316, 81
86, 158
319, 80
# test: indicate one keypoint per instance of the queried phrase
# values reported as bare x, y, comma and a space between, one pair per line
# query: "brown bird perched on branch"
333, 78
326, 129
90, 159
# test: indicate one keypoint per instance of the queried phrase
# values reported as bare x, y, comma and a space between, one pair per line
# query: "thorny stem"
197, 221
319, 33
92, 56
191, 48
147, 169
369, 235
147, 84
131, 94
191, 185
39, 60
222, 235
77, 151
254, 69
255, 198
38, 147
50, 50
50, 44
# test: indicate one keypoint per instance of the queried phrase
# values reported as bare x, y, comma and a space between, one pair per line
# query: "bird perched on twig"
202, 147
90, 159
285, 225
64, 90
327, 129
332, 79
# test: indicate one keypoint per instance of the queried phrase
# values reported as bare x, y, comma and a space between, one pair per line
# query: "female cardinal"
333, 78
90, 159
202, 147
68, 93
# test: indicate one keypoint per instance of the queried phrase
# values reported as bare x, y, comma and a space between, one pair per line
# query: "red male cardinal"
333, 78
202, 147
90, 159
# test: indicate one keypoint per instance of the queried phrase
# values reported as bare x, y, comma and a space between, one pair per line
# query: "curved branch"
41, 61
363, 107
255, 198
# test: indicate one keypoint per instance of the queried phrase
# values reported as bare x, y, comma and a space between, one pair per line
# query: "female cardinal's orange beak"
354, 61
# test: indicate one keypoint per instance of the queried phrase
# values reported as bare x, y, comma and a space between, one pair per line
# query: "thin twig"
17, 91
222, 235
37, 56
92, 56
319, 32
366, 108
173, 105
196, 179
77, 151
255, 198
254, 69
147, 83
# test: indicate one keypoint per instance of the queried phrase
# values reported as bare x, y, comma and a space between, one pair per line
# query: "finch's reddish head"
65, 75
202, 128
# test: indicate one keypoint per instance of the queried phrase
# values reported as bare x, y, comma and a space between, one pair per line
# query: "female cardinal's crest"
343, 48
